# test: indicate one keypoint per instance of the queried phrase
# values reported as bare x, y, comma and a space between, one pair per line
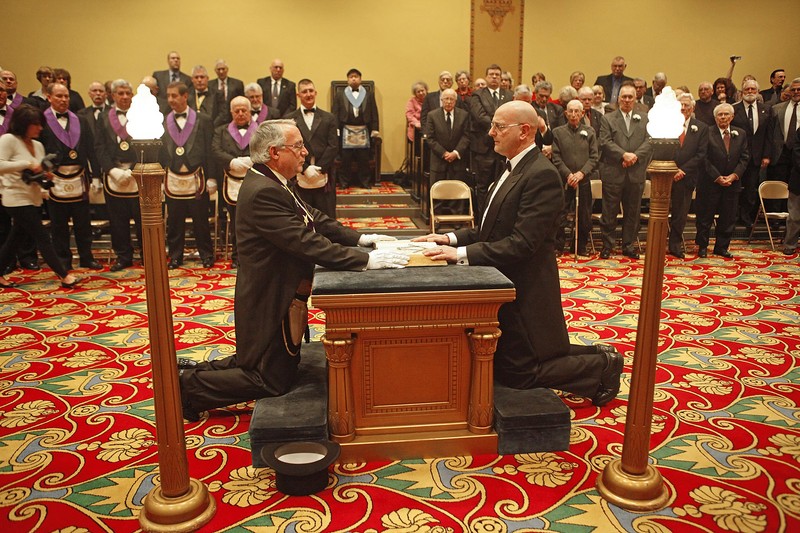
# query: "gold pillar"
631, 482
178, 503
341, 418
482, 346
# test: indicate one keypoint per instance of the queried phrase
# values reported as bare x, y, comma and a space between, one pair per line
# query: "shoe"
173, 264
788, 250
605, 253
702, 253
5, 284
678, 254
724, 253
190, 413
29, 265
92, 265
208, 263
630, 253
9, 269
185, 363
120, 265
72, 285
235, 263
609, 379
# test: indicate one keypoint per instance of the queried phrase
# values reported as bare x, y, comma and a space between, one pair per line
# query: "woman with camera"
21, 171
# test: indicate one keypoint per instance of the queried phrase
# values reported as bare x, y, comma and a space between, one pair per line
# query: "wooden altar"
410, 359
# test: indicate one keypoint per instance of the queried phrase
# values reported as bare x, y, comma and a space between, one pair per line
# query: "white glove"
372, 238
97, 185
116, 173
45, 194
385, 259
312, 171
238, 165
375, 134
211, 185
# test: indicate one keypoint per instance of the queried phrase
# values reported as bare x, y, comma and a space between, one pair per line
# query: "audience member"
599, 99
659, 82
224, 85
611, 83
447, 133
690, 159
626, 152
463, 88
432, 101
13, 98
38, 97
566, 95
414, 108
480, 83
793, 222
772, 95
785, 121
591, 116
506, 81
201, 98
62, 76
705, 104
172, 74
643, 101
577, 79
718, 189
724, 90
281, 93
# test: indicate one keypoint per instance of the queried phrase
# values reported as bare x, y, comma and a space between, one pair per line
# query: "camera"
29, 177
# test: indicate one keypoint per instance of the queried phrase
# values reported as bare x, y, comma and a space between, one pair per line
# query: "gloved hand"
374, 134
372, 238
312, 171
121, 175
211, 185
238, 164
385, 259
97, 185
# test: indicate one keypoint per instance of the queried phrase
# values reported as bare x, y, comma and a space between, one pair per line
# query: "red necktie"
726, 138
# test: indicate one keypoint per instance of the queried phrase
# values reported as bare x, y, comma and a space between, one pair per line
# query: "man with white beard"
753, 117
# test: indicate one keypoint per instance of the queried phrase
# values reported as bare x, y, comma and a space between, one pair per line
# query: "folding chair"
451, 190
770, 190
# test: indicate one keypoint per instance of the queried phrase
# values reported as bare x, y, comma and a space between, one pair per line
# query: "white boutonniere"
584, 133
637, 118
734, 133
694, 128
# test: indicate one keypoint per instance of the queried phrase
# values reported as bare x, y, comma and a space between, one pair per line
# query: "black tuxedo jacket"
106, 146
554, 116
759, 144
163, 79
88, 114
720, 162
211, 106
196, 150
481, 112
287, 99
321, 140
276, 251
442, 139
84, 148
516, 237
223, 149
368, 112
235, 88
691, 156
607, 84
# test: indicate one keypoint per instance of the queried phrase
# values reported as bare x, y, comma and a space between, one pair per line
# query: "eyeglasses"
501, 127
296, 147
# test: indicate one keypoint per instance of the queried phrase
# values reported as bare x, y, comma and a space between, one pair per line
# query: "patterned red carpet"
77, 435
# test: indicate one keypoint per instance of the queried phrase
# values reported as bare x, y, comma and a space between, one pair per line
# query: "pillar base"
190, 512
637, 493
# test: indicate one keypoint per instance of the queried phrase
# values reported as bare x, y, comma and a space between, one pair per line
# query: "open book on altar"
414, 251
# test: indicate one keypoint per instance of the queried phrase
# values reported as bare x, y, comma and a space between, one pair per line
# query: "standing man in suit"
626, 152
447, 132
642, 98
357, 115
70, 139
113, 151
659, 82
576, 156
184, 153
258, 109
705, 104
485, 163
718, 190
280, 240
172, 74
151, 83
13, 98
690, 159
202, 98
785, 121
92, 113
316, 184
432, 100
515, 235
753, 117
772, 95
553, 114
591, 116
280, 92
230, 149
612, 83
227, 87
793, 202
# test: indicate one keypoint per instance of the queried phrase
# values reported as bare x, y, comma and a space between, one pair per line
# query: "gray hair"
463, 72
585, 90
796, 80
753, 80
567, 93
523, 90
445, 74
198, 69
417, 85
723, 107
116, 84
253, 87
240, 100
546, 85
271, 133
685, 96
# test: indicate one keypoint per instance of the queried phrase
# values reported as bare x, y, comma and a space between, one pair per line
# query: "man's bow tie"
62, 115
254, 111
3, 111
202, 93
121, 112
308, 110
179, 115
